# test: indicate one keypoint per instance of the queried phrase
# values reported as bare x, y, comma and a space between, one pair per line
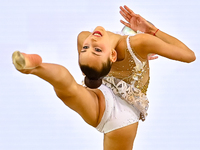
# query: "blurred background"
33, 118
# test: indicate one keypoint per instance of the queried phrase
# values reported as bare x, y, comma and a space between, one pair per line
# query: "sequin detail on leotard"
132, 88
137, 72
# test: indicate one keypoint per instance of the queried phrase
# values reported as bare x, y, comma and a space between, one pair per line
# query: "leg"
78, 98
24, 61
85, 102
121, 139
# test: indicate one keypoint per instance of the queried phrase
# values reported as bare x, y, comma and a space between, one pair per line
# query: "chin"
99, 28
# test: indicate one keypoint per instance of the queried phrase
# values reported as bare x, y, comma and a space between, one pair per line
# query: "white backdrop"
33, 118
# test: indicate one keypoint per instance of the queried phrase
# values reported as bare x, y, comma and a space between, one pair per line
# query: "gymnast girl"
116, 68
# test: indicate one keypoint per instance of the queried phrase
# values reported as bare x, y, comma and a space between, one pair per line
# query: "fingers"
152, 56
128, 10
125, 23
128, 14
125, 16
124, 13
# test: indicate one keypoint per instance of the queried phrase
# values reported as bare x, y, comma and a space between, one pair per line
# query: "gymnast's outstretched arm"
160, 43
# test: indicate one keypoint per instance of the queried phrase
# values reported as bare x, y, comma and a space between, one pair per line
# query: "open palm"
135, 21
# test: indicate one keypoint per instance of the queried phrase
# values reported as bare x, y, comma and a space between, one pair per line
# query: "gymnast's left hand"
152, 56
135, 21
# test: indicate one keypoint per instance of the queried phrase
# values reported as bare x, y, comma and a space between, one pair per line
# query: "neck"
115, 40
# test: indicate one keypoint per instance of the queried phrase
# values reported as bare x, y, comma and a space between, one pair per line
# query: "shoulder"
135, 40
141, 43
136, 43
140, 39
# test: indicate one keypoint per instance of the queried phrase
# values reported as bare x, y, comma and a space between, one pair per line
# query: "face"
96, 49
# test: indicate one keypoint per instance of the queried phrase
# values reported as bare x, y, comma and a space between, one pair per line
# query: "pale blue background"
33, 118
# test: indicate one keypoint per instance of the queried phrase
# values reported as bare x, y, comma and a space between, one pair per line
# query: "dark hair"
93, 77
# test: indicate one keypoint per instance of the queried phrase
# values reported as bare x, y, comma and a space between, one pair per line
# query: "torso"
123, 68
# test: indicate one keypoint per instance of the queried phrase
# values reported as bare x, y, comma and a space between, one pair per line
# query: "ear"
113, 55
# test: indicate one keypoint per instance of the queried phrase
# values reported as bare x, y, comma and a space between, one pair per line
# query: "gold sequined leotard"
129, 79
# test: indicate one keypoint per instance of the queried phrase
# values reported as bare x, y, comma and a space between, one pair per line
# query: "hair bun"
93, 84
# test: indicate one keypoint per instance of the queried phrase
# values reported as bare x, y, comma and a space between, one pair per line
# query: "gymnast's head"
96, 57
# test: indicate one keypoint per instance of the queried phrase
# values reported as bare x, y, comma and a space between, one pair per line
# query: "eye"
98, 50
85, 47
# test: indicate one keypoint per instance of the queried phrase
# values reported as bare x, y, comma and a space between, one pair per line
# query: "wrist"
153, 31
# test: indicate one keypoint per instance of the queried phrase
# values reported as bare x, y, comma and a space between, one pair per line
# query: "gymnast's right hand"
135, 21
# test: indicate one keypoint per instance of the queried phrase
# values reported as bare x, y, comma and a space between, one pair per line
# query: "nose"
94, 39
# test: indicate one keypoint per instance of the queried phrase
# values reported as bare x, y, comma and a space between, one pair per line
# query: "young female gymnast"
120, 62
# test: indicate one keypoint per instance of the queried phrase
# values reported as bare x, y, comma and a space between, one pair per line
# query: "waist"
139, 82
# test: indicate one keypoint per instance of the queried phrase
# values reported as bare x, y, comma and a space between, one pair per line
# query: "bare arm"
144, 44
161, 43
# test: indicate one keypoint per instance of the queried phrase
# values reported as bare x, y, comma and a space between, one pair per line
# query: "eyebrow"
95, 54
92, 53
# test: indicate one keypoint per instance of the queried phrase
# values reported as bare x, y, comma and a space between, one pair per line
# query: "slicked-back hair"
93, 74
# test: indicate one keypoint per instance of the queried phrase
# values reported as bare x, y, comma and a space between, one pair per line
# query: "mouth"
97, 33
